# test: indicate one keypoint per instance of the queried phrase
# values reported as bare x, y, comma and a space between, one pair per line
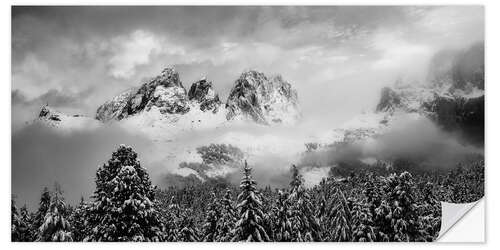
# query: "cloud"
131, 51
411, 137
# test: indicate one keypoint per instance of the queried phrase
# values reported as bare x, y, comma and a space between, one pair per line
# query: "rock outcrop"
262, 99
202, 92
164, 92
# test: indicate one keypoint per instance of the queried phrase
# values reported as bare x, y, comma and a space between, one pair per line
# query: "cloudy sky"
75, 58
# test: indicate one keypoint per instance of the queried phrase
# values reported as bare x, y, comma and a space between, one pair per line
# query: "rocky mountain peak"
168, 77
262, 99
203, 93
164, 92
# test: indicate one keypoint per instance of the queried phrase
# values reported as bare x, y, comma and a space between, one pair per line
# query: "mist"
413, 138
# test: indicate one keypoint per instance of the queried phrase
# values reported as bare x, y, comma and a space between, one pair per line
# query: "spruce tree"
42, 210
27, 234
305, 225
56, 226
78, 221
16, 223
124, 207
227, 219
188, 231
211, 220
397, 216
248, 227
282, 218
339, 218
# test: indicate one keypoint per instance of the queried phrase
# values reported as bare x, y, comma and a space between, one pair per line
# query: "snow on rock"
115, 107
56, 119
262, 99
164, 92
203, 93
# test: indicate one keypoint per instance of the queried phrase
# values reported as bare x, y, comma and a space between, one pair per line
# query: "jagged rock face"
203, 93
263, 100
49, 115
115, 107
389, 100
164, 92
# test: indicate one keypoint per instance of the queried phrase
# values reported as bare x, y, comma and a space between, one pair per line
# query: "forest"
352, 204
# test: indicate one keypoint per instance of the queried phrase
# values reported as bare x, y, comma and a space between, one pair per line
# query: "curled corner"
451, 213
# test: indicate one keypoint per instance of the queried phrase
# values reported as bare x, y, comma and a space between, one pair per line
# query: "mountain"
263, 99
453, 97
203, 93
164, 92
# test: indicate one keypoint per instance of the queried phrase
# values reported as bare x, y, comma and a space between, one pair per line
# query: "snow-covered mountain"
453, 97
204, 94
263, 99
165, 92
254, 96
179, 121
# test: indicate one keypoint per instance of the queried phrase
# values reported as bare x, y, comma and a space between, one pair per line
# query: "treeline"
366, 205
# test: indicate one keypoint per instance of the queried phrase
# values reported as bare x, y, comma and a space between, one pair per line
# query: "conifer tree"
16, 223
281, 218
78, 221
248, 227
42, 210
339, 218
305, 225
397, 216
171, 221
27, 234
211, 220
124, 207
187, 232
56, 226
227, 220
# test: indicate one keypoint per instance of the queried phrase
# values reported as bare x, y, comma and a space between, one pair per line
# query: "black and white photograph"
244, 123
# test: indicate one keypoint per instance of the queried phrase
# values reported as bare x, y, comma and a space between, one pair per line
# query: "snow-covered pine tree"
362, 212
56, 226
430, 212
305, 225
188, 231
16, 224
339, 218
248, 227
227, 220
211, 220
281, 218
124, 207
42, 210
78, 221
171, 221
397, 217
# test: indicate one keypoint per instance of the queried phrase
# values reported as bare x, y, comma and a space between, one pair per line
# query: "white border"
492, 128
